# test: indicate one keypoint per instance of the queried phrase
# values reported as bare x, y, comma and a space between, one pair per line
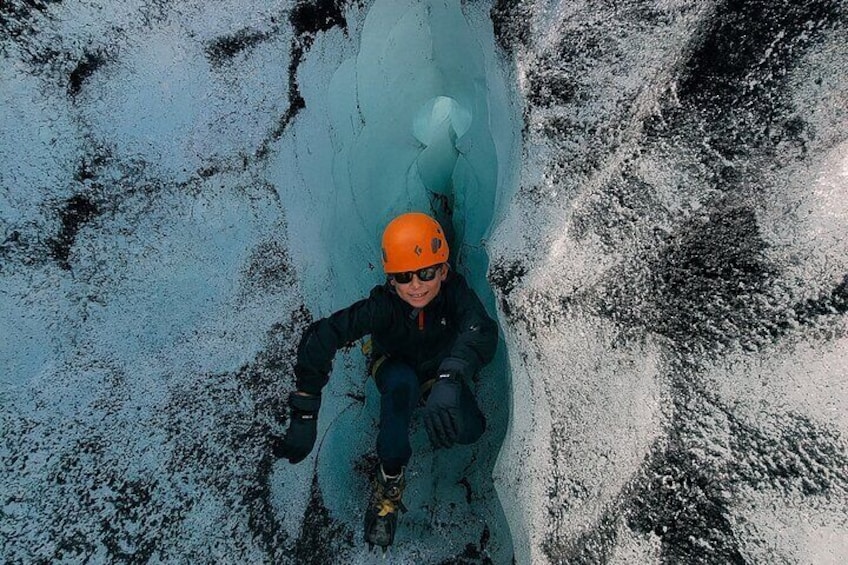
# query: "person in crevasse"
430, 335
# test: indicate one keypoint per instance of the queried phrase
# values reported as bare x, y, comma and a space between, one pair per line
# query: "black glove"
441, 414
303, 428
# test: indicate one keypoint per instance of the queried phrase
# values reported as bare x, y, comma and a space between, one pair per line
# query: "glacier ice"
649, 195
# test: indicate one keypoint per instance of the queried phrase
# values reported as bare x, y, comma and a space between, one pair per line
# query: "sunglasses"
426, 274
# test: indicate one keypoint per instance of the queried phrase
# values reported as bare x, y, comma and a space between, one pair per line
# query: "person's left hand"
441, 413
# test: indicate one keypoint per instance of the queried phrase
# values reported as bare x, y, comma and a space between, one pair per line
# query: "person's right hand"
303, 428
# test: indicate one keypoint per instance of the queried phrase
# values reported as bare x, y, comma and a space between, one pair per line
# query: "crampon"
383, 507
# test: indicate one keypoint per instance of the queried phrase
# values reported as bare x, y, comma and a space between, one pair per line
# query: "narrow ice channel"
419, 118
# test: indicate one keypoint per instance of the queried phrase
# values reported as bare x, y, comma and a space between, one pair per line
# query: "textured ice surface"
656, 191
672, 277
184, 188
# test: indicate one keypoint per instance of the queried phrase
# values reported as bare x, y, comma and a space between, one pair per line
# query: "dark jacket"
451, 334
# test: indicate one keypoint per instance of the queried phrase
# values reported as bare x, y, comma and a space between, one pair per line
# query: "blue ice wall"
413, 117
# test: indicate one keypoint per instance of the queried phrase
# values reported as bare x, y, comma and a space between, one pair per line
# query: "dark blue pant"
399, 395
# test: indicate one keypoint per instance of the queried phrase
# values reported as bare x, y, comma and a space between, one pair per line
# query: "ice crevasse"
650, 197
420, 117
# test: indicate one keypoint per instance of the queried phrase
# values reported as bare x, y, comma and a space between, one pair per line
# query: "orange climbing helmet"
413, 241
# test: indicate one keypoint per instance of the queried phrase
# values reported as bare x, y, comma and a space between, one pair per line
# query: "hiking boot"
383, 507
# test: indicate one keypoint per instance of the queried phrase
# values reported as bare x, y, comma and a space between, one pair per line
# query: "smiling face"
418, 293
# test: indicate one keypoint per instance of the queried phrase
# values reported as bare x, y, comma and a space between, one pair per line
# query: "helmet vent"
435, 244
418, 251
